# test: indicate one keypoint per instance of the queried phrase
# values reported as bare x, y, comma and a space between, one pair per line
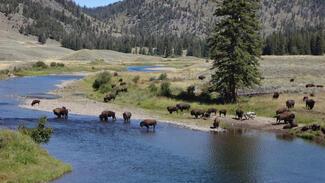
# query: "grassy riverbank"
22, 160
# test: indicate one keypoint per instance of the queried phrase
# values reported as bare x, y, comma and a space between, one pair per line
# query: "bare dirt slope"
17, 47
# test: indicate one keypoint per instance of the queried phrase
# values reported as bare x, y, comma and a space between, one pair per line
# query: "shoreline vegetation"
22, 160
143, 104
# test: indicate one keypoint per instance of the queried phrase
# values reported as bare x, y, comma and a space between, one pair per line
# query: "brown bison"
61, 112
109, 97
172, 109
216, 123
106, 114
290, 104
34, 102
310, 103
183, 106
120, 80
197, 113
239, 114
147, 123
310, 85
320, 86
115, 74
223, 112
202, 77
212, 110
282, 110
287, 117
127, 116
292, 80
276, 95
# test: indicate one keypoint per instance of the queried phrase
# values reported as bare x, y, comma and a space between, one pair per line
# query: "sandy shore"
79, 104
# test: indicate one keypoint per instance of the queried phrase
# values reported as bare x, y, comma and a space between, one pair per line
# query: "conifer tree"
235, 47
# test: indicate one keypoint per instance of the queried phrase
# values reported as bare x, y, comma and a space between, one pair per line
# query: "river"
118, 152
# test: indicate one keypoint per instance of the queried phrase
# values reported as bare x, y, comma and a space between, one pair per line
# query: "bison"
147, 123
183, 106
287, 117
127, 116
223, 112
34, 102
197, 113
281, 110
202, 77
320, 86
106, 114
276, 95
115, 74
239, 114
172, 109
310, 103
216, 123
109, 97
290, 104
310, 85
61, 112
212, 110
292, 80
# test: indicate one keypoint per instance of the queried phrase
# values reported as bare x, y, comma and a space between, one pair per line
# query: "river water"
120, 153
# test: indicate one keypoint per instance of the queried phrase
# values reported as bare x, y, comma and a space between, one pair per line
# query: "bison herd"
63, 112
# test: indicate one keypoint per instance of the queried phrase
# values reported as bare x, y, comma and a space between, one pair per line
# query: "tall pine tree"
235, 47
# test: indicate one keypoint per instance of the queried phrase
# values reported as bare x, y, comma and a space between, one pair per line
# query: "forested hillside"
156, 27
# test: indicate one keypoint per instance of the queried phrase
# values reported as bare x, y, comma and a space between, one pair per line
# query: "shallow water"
144, 68
118, 152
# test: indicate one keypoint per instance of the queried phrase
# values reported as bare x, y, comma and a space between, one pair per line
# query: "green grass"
69, 68
139, 96
22, 160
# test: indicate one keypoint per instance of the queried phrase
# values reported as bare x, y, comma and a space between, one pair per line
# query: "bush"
165, 89
60, 64
40, 134
163, 76
153, 88
152, 79
53, 64
40, 65
136, 79
101, 79
105, 88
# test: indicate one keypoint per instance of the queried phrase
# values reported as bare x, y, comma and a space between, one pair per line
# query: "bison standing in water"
310, 103
127, 116
147, 123
61, 112
290, 104
106, 114
34, 102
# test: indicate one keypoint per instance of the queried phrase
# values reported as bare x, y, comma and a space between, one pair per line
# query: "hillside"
154, 27
196, 17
